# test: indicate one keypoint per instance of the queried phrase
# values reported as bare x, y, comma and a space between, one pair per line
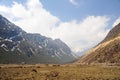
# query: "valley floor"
58, 72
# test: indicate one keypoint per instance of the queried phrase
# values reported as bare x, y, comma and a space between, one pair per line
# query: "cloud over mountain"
34, 18
117, 21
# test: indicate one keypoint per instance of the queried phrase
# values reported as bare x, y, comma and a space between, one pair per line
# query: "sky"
81, 24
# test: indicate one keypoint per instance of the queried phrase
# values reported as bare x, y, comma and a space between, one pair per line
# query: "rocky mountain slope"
18, 46
108, 51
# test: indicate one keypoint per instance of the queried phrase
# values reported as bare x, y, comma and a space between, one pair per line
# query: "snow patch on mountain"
19, 50
40, 46
13, 49
8, 40
32, 50
4, 47
62, 51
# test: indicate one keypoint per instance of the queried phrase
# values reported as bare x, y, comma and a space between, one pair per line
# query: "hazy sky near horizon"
81, 24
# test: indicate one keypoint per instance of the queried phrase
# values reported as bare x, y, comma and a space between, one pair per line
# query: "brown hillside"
108, 51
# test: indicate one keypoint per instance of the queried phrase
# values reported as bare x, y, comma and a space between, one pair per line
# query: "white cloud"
79, 35
82, 35
32, 18
74, 2
116, 22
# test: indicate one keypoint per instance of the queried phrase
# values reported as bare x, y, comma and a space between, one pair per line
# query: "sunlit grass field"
58, 72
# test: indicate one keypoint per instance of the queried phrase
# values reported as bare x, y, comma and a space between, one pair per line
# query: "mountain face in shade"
18, 46
108, 51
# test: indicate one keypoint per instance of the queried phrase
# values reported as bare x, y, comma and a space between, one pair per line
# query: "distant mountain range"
18, 46
108, 51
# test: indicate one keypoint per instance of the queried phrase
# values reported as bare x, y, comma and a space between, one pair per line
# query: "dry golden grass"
58, 72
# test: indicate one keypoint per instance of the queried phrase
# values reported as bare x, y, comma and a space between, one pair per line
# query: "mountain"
108, 51
18, 46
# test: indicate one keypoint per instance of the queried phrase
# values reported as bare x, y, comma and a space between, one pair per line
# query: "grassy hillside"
108, 51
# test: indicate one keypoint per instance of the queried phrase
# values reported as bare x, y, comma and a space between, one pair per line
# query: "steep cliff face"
108, 51
17, 46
